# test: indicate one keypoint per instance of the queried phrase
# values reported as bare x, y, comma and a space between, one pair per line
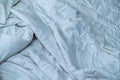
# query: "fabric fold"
5, 9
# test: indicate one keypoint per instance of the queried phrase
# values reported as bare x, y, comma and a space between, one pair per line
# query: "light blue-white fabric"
59, 40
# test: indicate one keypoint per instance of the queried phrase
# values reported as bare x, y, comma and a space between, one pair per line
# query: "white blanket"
59, 40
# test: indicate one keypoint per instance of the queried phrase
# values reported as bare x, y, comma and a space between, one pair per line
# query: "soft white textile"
59, 40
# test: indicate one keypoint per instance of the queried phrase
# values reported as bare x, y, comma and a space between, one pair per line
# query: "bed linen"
59, 40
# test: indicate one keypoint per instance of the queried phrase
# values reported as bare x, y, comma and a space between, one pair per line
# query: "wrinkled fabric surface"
59, 40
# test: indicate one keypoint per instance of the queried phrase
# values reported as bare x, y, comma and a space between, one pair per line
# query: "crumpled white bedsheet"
59, 40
